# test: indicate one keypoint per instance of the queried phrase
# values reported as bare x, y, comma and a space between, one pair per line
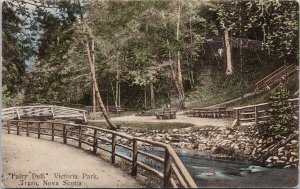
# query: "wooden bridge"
258, 112
44, 111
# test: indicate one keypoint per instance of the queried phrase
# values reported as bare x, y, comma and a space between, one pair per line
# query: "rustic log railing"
276, 76
258, 112
42, 111
174, 173
215, 112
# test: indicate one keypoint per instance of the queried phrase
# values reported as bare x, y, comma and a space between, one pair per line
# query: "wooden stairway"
275, 77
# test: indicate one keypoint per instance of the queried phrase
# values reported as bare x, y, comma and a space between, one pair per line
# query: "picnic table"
166, 113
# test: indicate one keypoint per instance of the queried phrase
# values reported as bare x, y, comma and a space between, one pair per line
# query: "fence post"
84, 117
113, 148
95, 141
8, 128
52, 112
39, 130
134, 157
256, 115
18, 128
64, 134
52, 129
237, 117
79, 137
18, 113
167, 169
27, 129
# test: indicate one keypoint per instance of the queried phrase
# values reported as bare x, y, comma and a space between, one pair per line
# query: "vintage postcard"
150, 94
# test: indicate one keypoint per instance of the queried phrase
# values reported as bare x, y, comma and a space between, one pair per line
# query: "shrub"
281, 122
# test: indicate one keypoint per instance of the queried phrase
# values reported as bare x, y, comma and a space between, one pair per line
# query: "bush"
281, 122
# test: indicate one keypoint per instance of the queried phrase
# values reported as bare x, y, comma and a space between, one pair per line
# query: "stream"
211, 172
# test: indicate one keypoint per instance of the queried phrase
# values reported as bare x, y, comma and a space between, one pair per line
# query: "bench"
116, 109
166, 113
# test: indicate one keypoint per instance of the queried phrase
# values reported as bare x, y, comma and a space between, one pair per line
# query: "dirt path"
36, 162
180, 118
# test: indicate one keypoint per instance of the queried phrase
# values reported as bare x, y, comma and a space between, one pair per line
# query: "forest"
142, 54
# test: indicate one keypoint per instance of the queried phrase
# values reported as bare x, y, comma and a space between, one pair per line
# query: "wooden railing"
275, 76
258, 112
174, 174
42, 111
214, 112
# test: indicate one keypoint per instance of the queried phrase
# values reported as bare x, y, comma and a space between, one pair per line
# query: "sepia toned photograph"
150, 94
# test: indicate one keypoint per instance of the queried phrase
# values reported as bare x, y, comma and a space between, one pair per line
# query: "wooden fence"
174, 174
258, 112
42, 111
214, 112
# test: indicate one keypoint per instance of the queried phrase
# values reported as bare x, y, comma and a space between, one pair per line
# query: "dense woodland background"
146, 53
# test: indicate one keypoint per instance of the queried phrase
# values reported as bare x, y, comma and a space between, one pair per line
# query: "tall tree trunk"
93, 74
179, 75
94, 67
145, 97
152, 95
117, 92
119, 97
176, 76
228, 53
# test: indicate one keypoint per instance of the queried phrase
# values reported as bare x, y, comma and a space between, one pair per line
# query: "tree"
281, 123
16, 50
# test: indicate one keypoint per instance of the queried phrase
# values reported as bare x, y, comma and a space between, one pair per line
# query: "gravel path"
180, 118
31, 162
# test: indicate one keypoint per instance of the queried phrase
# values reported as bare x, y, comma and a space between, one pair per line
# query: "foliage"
16, 50
282, 122
143, 46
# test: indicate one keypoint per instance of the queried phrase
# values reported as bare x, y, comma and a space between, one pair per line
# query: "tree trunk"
119, 97
179, 75
228, 53
145, 97
117, 92
152, 95
93, 74
94, 68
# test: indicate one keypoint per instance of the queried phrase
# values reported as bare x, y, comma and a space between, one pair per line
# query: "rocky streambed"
233, 143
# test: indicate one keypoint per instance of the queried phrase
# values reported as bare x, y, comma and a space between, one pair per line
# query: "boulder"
174, 130
201, 147
230, 136
280, 154
294, 154
287, 166
283, 158
280, 149
269, 160
294, 142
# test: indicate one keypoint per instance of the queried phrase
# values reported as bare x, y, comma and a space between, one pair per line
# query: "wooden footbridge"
43, 111
172, 173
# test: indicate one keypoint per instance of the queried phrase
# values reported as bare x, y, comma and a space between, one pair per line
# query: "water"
211, 172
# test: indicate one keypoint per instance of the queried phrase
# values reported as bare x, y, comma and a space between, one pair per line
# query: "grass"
292, 85
144, 125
